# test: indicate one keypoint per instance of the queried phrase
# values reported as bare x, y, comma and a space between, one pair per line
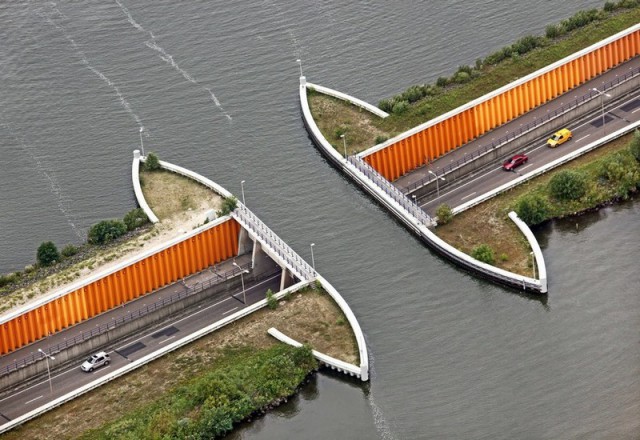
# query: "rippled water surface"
214, 84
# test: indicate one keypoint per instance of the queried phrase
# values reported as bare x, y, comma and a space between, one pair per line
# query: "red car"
514, 162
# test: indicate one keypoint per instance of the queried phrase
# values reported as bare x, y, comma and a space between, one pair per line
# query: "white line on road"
526, 166
101, 369
468, 195
636, 110
583, 137
229, 311
33, 400
165, 340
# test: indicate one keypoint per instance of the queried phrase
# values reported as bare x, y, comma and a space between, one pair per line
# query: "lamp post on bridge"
313, 261
344, 144
47, 356
602, 95
242, 190
299, 61
141, 143
242, 272
437, 183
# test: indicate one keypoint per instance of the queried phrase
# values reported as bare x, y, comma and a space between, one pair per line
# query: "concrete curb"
343, 96
137, 189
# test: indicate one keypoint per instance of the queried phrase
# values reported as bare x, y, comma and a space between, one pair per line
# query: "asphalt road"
623, 114
63, 382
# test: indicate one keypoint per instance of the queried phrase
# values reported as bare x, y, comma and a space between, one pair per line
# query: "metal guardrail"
275, 243
104, 328
519, 132
410, 206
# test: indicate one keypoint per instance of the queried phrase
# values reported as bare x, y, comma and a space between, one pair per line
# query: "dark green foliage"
627, 4
461, 77
553, 31
229, 204
340, 131
400, 107
527, 44
272, 302
532, 209
386, 105
444, 214
609, 6
8, 279
568, 185
483, 253
47, 254
413, 94
464, 68
442, 81
152, 163
581, 19
208, 405
69, 250
135, 218
106, 231
381, 139
634, 147
621, 171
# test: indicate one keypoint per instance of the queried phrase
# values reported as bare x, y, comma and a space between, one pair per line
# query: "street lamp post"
141, 143
344, 143
242, 189
602, 95
533, 263
242, 272
437, 183
48, 369
299, 61
313, 261
414, 199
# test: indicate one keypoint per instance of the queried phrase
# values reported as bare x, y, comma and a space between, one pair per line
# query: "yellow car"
559, 138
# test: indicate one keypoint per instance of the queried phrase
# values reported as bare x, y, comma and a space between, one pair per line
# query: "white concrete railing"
137, 189
336, 364
501, 90
407, 217
344, 97
145, 360
537, 172
535, 247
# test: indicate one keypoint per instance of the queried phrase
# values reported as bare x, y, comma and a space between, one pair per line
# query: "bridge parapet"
270, 241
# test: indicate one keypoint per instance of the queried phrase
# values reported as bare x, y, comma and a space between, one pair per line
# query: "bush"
229, 204
272, 302
461, 77
400, 107
609, 6
340, 131
8, 279
106, 231
581, 19
47, 254
568, 185
634, 147
553, 31
532, 209
386, 105
444, 214
442, 81
527, 44
381, 139
69, 251
413, 94
620, 170
627, 4
483, 253
464, 68
135, 218
152, 163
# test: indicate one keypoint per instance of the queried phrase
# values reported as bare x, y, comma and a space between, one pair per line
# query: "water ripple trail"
168, 58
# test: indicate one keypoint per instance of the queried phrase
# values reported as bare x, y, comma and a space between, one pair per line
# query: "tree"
106, 230
135, 218
532, 209
634, 147
568, 185
152, 163
483, 253
444, 214
47, 254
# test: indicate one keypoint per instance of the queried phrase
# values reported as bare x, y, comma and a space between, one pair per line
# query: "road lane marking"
101, 369
583, 137
229, 311
636, 110
526, 166
468, 195
165, 340
33, 400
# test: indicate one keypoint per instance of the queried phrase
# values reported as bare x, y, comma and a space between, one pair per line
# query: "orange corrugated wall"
182, 259
411, 152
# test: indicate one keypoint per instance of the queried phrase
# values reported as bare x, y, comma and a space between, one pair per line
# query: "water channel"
214, 84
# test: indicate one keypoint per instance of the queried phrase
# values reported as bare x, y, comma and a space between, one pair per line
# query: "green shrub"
381, 139
229, 204
340, 131
272, 302
532, 209
135, 218
444, 214
69, 250
10, 278
106, 231
461, 77
621, 170
386, 105
400, 107
479, 64
553, 31
527, 44
152, 163
47, 254
504, 257
442, 81
413, 94
581, 19
634, 147
568, 185
627, 4
483, 253
609, 6
465, 68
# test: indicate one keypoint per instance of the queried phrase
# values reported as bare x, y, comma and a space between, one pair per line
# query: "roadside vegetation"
610, 173
211, 383
421, 103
